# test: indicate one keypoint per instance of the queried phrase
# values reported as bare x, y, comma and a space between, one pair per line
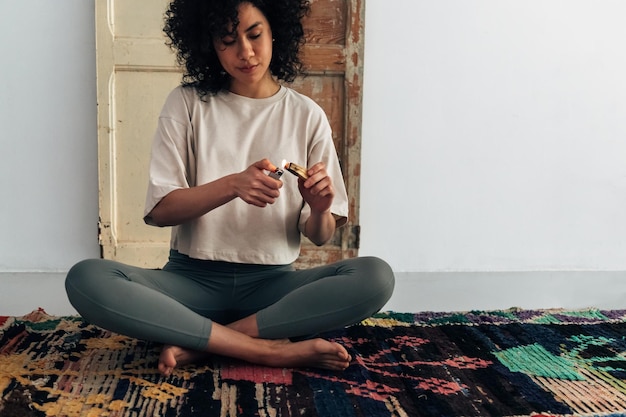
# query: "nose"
245, 49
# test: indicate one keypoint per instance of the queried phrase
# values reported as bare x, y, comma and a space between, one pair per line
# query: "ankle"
247, 326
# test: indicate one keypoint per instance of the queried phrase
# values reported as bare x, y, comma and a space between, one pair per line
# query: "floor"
422, 291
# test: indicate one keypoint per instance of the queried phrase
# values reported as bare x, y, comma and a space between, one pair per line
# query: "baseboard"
415, 291
23, 292
464, 291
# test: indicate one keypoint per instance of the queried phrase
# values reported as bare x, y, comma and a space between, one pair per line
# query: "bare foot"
173, 356
240, 340
316, 353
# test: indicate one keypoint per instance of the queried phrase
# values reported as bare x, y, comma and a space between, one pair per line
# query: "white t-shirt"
198, 141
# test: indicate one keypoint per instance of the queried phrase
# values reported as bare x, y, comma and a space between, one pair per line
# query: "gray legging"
177, 305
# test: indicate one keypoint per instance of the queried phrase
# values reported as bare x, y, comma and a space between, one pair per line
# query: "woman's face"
246, 55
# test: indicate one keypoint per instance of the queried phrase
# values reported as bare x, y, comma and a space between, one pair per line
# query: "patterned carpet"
497, 363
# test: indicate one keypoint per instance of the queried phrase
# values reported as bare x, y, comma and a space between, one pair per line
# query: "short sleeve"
323, 149
172, 161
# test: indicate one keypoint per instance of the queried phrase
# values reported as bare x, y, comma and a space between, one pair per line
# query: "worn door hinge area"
351, 236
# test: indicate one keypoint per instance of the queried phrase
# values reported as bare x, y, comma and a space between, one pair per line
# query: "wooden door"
136, 71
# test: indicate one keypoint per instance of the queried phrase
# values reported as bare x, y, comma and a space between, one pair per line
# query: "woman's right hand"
255, 187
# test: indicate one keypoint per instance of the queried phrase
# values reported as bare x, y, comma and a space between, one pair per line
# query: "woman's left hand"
317, 190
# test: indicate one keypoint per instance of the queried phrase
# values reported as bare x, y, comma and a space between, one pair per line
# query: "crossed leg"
147, 304
229, 341
342, 294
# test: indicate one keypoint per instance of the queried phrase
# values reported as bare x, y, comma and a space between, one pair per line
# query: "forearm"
320, 227
185, 204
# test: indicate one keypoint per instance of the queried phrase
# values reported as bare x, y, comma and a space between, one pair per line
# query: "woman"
228, 287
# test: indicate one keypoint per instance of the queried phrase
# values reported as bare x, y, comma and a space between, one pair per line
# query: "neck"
267, 88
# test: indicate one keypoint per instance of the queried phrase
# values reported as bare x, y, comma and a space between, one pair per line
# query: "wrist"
232, 188
321, 214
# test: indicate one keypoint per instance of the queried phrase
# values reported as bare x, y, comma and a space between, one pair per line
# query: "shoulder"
302, 100
305, 105
182, 94
177, 101
184, 102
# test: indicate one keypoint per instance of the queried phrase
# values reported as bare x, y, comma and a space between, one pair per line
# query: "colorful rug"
498, 363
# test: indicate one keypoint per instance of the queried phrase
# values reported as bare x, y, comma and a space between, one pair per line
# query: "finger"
317, 178
321, 186
320, 166
260, 202
328, 191
265, 164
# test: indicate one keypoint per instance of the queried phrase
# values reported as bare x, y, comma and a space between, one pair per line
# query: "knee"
80, 272
380, 277
378, 269
85, 280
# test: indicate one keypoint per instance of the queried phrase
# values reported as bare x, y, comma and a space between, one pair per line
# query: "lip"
248, 69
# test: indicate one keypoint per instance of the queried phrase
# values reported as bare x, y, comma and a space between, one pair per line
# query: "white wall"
48, 165
494, 135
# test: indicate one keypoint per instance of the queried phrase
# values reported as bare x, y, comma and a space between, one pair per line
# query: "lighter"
276, 173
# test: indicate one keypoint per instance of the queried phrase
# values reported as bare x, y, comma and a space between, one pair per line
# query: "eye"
228, 41
255, 35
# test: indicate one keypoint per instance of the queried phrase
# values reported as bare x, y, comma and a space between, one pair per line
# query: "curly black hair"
191, 26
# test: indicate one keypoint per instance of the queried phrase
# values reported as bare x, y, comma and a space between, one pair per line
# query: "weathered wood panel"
334, 33
136, 71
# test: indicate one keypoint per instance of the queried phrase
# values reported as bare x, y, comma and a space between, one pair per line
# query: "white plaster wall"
494, 135
48, 165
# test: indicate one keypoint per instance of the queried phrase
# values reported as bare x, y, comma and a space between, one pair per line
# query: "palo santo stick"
296, 170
